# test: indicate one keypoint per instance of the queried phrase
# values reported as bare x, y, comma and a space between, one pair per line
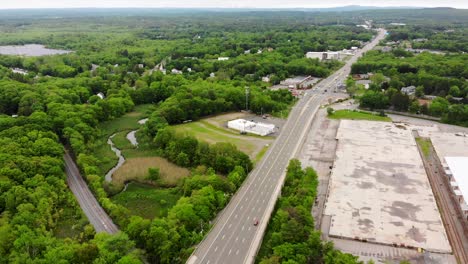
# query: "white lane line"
249, 228
242, 230
223, 237
243, 240
235, 216
237, 252
229, 226
216, 249
230, 252
237, 238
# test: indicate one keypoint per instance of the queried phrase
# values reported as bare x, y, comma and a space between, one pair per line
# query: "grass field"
147, 201
204, 130
358, 115
137, 169
425, 145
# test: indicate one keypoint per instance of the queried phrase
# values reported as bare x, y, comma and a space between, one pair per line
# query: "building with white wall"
243, 125
457, 168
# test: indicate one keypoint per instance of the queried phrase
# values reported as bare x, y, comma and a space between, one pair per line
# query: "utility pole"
247, 92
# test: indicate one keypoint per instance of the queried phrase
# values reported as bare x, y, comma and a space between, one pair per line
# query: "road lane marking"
229, 227
223, 237
230, 250
237, 252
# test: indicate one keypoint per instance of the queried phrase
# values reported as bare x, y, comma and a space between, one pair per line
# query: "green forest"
169, 62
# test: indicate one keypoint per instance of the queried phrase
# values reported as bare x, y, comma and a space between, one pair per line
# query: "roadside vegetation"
290, 236
358, 115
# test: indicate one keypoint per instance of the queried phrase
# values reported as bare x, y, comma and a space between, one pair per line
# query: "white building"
101, 95
458, 176
243, 125
176, 71
20, 71
410, 90
266, 78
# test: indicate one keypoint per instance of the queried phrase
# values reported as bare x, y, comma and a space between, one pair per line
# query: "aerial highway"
88, 203
236, 237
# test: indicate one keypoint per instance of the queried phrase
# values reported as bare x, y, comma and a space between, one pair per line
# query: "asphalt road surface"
234, 238
88, 203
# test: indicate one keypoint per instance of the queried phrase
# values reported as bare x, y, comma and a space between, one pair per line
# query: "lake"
30, 50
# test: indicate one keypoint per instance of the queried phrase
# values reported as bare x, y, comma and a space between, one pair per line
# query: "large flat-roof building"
379, 191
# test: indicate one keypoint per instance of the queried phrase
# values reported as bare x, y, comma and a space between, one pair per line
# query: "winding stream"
119, 155
132, 138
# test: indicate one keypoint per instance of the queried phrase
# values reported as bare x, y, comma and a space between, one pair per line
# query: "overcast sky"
6, 4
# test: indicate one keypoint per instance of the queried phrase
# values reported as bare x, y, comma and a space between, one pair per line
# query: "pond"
30, 50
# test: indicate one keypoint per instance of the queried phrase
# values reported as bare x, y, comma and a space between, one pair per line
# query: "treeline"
443, 76
436, 37
197, 99
187, 151
172, 239
35, 202
290, 236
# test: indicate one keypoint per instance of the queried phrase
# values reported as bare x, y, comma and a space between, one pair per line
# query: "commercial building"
457, 171
246, 126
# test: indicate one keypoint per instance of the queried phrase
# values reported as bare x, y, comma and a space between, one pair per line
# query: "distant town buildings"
176, 71
331, 55
20, 71
410, 90
296, 84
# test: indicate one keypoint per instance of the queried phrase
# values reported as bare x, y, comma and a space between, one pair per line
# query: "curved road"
234, 238
88, 203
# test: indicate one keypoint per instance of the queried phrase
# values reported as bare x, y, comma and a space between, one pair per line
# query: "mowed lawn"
147, 201
207, 132
358, 115
136, 169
